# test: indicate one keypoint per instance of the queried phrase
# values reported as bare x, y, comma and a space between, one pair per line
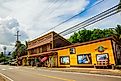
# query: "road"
36, 74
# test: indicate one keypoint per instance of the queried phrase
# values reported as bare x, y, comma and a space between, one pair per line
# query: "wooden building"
101, 52
40, 50
52, 50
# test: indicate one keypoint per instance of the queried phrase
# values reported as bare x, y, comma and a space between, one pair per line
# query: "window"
40, 49
84, 59
64, 60
44, 48
102, 57
72, 51
34, 51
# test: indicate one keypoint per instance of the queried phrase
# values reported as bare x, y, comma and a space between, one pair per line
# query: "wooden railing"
103, 62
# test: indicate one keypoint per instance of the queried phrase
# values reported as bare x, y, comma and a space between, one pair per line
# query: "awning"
44, 53
44, 59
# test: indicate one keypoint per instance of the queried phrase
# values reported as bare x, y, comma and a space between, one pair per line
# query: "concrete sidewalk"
1, 78
87, 70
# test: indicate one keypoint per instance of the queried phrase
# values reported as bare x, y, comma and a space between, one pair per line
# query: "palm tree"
20, 50
118, 33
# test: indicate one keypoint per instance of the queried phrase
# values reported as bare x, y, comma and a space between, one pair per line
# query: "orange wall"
86, 49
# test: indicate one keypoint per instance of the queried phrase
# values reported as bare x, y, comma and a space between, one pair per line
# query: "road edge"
6, 77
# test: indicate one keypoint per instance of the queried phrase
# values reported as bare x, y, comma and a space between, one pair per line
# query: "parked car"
13, 62
1, 63
4, 63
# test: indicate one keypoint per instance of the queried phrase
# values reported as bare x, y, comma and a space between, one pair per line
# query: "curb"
94, 71
100, 72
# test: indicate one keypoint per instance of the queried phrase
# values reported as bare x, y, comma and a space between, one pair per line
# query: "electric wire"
50, 5
74, 16
64, 1
114, 10
52, 11
91, 19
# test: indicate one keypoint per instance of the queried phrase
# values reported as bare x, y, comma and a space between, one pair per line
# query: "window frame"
102, 54
84, 54
64, 63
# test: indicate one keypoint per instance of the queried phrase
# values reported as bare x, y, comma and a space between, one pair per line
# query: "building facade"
101, 52
52, 50
40, 50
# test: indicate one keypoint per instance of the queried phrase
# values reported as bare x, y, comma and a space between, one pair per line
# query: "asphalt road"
14, 73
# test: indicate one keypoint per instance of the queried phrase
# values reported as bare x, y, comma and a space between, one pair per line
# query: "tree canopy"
87, 35
20, 50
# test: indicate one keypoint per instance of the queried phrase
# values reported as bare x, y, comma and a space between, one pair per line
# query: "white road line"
99, 75
10, 68
6, 77
3, 69
16, 67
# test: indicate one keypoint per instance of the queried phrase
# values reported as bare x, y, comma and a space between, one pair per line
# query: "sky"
33, 17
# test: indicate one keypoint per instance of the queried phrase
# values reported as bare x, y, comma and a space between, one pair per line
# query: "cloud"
36, 16
8, 28
33, 17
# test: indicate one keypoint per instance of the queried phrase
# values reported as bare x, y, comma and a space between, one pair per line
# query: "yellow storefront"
101, 52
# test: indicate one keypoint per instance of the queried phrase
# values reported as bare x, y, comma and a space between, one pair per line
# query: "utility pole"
17, 41
17, 36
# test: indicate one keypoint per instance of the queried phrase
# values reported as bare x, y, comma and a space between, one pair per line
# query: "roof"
41, 40
85, 43
41, 36
57, 36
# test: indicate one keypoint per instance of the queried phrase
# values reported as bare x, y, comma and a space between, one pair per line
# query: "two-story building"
39, 50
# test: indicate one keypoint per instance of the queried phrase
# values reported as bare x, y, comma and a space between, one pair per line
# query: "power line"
57, 7
73, 16
92, 19
91, 23
114, 10
47, 8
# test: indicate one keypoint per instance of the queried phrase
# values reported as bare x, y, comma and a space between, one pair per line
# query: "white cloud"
32, 17
8, 28
35, 17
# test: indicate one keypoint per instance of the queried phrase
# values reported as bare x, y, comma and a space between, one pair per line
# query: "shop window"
84, 59
102, 57
72, 51
64, 60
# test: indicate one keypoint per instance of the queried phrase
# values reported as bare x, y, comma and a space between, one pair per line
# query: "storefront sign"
102, 57
72, 51
101, 49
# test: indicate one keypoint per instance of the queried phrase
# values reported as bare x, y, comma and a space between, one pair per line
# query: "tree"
87, 35
1, 55
108, 32
96, 34
117, 33
14, 54
20, 50
4, 58
73, 38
